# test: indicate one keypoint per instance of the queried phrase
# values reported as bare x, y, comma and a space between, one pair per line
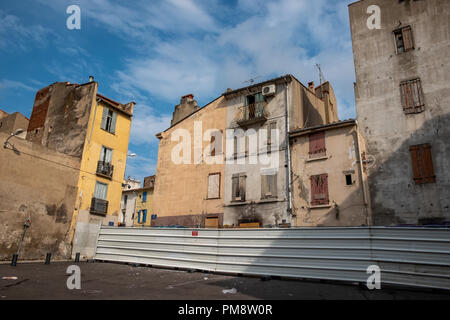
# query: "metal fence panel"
406, 256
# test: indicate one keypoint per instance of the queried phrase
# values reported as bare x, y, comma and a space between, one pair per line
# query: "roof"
116, 105
332, 125
227, 93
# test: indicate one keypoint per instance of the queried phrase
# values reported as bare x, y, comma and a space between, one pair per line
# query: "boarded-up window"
412, 96
422, 164
317, 145
238, 187
214, 186
319, 190
403, 39
268, 186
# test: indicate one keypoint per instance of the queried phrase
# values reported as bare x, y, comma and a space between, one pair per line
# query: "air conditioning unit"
268, 90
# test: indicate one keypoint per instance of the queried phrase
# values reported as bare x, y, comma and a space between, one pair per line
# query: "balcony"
251, 114
99, 206
105, 169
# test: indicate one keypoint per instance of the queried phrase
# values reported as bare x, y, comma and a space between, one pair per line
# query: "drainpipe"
360, 164
288, 154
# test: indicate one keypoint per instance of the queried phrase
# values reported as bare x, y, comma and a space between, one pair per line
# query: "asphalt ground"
112, 281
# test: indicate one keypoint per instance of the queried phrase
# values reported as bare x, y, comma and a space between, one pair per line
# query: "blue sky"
153, 52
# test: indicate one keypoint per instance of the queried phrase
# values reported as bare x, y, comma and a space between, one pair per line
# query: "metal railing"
406, 256
99, 206
252, 113
105, 169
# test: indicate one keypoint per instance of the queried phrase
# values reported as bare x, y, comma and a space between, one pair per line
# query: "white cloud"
11, 84
146, 124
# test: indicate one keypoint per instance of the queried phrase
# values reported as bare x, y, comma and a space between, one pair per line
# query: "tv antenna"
252, 80
321, 77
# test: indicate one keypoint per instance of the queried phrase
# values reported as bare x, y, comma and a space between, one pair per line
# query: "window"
268, 186
216, 143
271, 127
106, 155
403, 39
422, 164
139, 216
109, 119
144, 196
125, 199
412, 96
101, 190
144, 216
238, 187
317, 145
348, 179
319, 190
213, 186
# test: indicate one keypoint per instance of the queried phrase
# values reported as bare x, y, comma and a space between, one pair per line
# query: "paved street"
120, 281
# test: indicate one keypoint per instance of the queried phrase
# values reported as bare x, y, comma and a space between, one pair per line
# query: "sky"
153, 52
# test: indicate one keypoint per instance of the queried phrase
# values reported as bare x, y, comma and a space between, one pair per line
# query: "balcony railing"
252, 113
99, 206
105, 169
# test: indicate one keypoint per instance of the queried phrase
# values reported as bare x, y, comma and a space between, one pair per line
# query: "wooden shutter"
144, 216
214, 186
407, 38
319, 190
412, 96
317, 144
263, 186
235, 188
242, 187
100, 191
213, 146
422, 164
104, 117
113, 122
272, 181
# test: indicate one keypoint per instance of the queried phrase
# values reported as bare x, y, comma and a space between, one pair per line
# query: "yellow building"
143, 212
103, 162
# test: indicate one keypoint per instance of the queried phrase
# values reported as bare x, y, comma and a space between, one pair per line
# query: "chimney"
187, 98
312, 87
186, 107
91, 78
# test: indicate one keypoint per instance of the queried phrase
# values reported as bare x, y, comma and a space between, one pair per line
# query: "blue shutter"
144, 216
144, 197
139, 216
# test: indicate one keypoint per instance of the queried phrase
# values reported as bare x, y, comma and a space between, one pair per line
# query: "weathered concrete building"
9, 123
84, 133
403, 107
40, 184
329, 182
189, 174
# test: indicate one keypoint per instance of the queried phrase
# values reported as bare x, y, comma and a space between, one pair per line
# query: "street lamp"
131, 155
15, 133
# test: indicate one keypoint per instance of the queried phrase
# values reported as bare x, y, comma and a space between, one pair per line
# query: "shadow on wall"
395, 197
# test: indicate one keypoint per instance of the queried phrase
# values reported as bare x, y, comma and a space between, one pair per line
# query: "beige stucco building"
189, 177
329, 181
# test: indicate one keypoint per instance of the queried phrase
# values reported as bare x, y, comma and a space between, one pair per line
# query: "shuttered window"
269, 186
238, 187
214, 186
144, 196
319, 190
422, 164
412, 96
109, 119
106, 155
317, 145
403, 39
144, 216
101, 190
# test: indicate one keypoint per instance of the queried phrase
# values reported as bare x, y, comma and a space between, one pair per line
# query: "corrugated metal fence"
406, 256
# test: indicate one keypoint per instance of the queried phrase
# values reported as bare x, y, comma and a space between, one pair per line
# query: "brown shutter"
242, 187
319, 190
213, 147
412, 96
235, 187
422, 164
317, 144
273, 185
407, 38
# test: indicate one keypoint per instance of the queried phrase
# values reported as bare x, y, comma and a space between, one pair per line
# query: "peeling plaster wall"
396, 199
39, 183
60, 116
